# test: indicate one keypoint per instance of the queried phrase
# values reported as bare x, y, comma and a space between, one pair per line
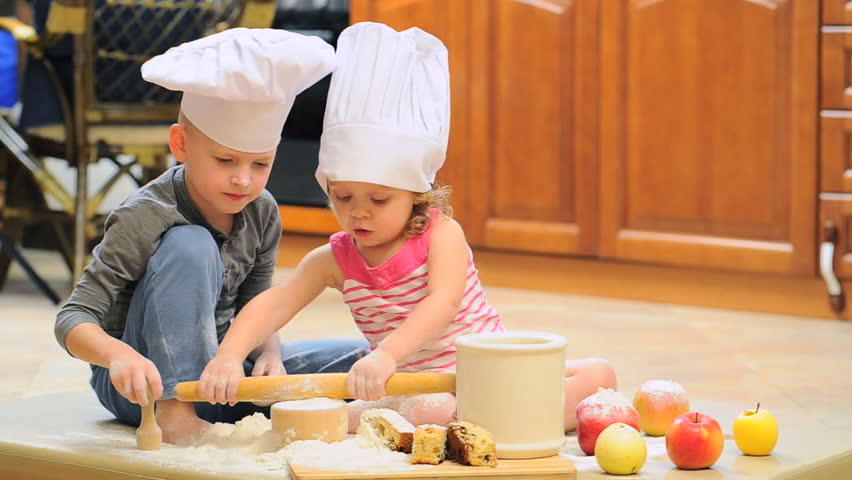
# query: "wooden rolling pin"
331, 385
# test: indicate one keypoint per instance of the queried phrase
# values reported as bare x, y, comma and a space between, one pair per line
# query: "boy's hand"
131, 373
220, 379
367, 377
268, 364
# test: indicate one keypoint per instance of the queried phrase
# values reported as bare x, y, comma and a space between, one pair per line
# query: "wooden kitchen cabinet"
835, 221
835, 135
836, 12
836, 151
708, 133
447, 20
663, 132
835, 79
835, 237
521, 159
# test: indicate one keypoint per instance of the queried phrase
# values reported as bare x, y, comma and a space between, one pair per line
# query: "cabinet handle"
836, 299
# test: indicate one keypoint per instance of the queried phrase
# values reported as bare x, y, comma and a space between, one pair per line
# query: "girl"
401, 261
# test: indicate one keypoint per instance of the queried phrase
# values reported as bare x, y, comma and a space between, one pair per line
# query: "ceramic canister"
513, 384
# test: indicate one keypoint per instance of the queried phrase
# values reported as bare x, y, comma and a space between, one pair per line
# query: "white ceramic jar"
513, 384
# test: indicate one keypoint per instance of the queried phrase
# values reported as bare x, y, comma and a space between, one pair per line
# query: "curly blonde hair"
439, 199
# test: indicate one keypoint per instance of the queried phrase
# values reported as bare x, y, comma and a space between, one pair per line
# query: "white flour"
252, 434
657, 389
394, 418
656, 452
248, 449
605, 402
608, 396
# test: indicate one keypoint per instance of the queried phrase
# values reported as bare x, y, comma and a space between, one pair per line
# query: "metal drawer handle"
836, 299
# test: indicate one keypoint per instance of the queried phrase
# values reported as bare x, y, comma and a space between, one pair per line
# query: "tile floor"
797, 367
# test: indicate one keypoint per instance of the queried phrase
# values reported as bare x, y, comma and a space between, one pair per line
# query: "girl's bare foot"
180, 425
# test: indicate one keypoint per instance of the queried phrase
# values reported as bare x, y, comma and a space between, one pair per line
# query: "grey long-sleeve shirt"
132, 234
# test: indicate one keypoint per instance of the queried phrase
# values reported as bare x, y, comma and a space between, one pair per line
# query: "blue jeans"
171, 322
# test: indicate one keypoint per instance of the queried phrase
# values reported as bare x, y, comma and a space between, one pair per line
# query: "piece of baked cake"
470, 444
430, 444
397, 432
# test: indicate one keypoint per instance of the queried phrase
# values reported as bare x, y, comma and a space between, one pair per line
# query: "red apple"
658, 403
600, 410
694, 441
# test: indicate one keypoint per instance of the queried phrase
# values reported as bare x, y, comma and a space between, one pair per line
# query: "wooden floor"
632, 281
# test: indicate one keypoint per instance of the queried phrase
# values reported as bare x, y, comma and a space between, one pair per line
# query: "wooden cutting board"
549, 468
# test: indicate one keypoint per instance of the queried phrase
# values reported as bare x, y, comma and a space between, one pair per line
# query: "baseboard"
308, 220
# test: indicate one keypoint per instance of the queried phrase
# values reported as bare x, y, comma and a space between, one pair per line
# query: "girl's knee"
593, 372
604, 374
583, 378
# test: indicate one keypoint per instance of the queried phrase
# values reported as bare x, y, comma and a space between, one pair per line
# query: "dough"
323, 419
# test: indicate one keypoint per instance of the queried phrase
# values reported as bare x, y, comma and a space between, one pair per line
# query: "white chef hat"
239, 85
387, 119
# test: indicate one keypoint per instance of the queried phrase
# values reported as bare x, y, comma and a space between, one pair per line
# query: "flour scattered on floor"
252, 435
655, 447
363, 452
571, 450
247, 448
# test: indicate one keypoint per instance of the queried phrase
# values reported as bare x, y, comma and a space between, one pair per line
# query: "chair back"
113, 38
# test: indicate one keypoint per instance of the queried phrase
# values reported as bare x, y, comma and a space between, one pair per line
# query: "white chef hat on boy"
387, 119
239, 85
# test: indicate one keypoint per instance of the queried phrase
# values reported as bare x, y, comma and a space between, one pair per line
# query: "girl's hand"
220, 379
131, 373
367, 377
268, 364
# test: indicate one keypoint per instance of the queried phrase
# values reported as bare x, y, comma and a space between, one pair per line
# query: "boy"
182, 255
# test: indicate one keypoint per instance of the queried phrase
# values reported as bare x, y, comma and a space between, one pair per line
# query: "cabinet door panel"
836, 151
708, 117
448, 20
836, 12
534, 133
836, 68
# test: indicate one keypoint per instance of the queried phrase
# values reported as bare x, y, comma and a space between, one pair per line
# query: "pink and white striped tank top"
382, 297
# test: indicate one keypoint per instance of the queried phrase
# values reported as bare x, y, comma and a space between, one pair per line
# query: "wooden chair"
109, 110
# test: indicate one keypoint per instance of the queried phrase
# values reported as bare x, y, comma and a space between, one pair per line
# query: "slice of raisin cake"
389, 425
430, 444
470, 444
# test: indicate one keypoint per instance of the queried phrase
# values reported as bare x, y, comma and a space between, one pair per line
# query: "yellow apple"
620, 449
756, 432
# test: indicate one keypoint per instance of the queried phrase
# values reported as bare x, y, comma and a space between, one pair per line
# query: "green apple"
756, 432
620, 449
